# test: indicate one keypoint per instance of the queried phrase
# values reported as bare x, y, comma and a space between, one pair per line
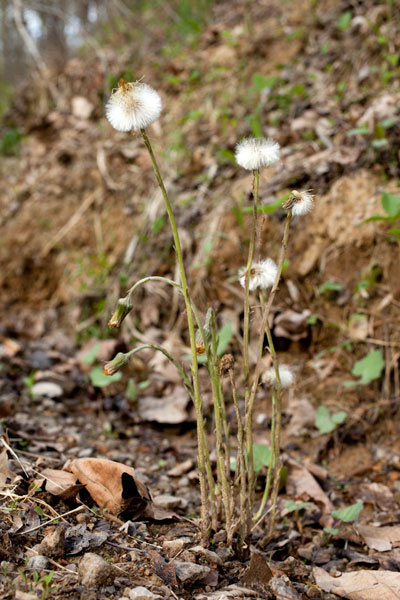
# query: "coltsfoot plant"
227, 497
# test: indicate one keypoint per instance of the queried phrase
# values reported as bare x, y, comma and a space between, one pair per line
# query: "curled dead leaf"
360, 585
112, 485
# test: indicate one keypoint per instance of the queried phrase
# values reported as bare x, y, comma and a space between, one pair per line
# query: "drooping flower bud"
116, 364
122, 309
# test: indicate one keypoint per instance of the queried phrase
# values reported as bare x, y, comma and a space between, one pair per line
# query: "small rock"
53, 544
142, 593
38, 563
282, 588
38, 359
188, 572
224, 553
47, 388
20, 595
173, 546
209, 555
168, 502
94, 571
181, 468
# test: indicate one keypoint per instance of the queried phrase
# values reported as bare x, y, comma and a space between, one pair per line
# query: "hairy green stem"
253, 392
246, 328
219, 417
201, 439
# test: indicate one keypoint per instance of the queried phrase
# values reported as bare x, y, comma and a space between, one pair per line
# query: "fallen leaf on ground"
301, 485
112, 485
58, 483
5, 472
303, 416
379, 538
360, 585
169, 409
258, 570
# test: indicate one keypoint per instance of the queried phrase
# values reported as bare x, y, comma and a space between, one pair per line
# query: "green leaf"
363, 130
395, 231
391, 204
349, 514
98, 379
291, 505
325, 422
224, 337
329, 286
262, 456
343, 21
376, 218
261, 83
313, 319
339, 417
91, 355
379, 143
331, 530
369, 368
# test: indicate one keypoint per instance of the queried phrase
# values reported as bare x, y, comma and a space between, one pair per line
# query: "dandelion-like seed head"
262, 275
285, 375
301, 203
133, 106
255, 153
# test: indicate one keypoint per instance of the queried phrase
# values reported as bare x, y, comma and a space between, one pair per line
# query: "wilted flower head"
114, 365
285, 375
301, 203
262, 275
133, 106
254, 153
122, 309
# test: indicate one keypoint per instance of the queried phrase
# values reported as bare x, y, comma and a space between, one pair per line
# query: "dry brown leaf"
301, 485
112, 485
360, 585
379, 538
59, 483
5, 472
302, 416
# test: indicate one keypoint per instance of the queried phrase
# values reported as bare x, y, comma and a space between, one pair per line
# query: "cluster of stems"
233, 480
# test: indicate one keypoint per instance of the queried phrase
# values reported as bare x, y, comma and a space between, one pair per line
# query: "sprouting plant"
225, 496
326, 422
367, 369
348, 514
29, 382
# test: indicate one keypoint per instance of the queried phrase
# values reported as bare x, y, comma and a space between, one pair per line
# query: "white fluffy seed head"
262, 275
285, 374
133, 106
303, 203
255, 153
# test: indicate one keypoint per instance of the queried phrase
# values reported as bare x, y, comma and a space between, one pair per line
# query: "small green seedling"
368, 368
292, 506
391, 206
349, 514
329, 287
262, 456
327, 422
